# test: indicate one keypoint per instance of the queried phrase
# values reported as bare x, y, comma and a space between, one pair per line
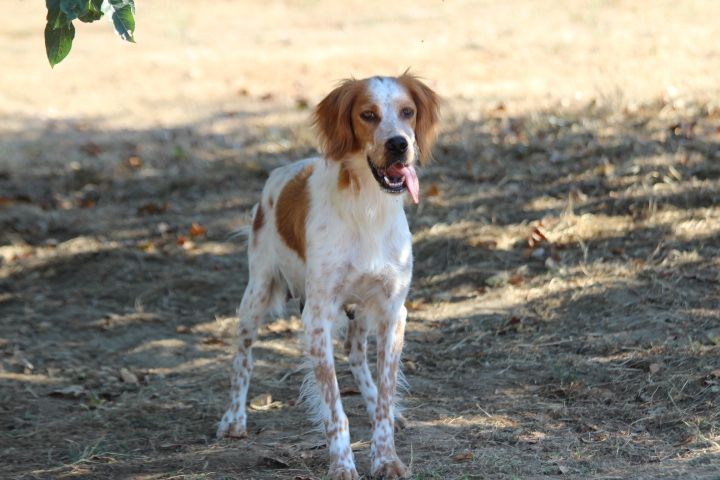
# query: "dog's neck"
355, 194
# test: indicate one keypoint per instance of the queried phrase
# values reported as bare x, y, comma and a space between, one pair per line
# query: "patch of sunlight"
546, 202
483, 420
40, 256
282, 347
571, 228
119, 321
476, 234
164, 345
220, 327
607, 359
190, 365
213, 248
29, 378
531, 437
696, 229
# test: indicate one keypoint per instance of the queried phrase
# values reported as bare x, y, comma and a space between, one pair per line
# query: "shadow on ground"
586, 350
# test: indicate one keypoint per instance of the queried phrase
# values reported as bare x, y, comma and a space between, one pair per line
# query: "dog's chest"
377, 267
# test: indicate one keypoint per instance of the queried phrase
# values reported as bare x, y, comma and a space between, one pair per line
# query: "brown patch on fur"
292, 209
336, 119
427, 104
325, 377
346, 179
259, 219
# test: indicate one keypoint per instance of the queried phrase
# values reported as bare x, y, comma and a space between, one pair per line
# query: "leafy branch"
60, 32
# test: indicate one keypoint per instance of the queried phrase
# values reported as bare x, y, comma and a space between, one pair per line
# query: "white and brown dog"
331, 231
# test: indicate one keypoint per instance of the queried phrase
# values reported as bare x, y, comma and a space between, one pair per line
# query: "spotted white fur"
357, 250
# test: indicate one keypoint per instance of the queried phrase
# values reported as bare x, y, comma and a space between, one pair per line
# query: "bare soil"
564, 315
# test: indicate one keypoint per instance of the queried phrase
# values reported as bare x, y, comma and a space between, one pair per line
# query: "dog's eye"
407, 112
368, 116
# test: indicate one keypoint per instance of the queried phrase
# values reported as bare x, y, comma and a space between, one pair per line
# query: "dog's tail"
244, 231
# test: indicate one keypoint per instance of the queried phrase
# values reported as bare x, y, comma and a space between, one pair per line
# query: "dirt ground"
564, 315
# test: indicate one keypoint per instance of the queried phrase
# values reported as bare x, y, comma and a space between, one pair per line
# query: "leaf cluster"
60, 31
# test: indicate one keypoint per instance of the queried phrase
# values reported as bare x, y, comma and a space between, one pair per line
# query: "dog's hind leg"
259, 296
356, 348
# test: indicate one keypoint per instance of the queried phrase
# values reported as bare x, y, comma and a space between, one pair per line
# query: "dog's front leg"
318, 319
390, 335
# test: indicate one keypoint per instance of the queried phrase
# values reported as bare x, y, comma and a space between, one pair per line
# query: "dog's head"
389, 121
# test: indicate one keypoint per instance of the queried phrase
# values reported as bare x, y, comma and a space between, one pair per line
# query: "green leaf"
118, 4
94, 11
74, 8
58, 41
124, 21
55, 16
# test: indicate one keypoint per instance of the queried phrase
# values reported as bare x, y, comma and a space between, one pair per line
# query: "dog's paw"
231, 426
389, 469
343, 473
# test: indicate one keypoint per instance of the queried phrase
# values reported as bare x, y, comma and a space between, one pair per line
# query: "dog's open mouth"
397, 178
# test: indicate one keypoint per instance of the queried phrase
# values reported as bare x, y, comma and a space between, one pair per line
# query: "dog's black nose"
396, 145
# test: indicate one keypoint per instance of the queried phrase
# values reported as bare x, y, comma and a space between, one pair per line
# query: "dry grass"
564, 312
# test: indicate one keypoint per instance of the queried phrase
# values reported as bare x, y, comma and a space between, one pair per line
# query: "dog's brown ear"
333, 120
427, 103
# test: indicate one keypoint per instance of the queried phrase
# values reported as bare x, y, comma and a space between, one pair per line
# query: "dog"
332, 232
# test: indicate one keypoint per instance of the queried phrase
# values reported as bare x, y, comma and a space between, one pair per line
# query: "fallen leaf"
465, 456
6, 201
181, 240
432, 191
152, 208
261, 401
134, 161
349, 391
537, 236
196, 230
414, 304
516, 280
128, 377
410, 366
687, 440
147, 247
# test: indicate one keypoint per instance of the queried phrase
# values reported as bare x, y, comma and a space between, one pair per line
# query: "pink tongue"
411, 179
